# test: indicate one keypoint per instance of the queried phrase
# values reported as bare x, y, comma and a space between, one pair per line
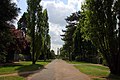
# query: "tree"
76, 47
63, 54
77, 43
83, 50
38, 29
22, 23
100, 25
52, 54
68, 36
22, 26
34, 25
8, 13
46, 35
17, 46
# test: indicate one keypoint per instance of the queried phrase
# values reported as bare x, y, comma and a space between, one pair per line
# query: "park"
60, 40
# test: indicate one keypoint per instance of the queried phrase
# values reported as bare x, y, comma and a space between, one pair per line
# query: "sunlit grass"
21, 67
95, 71
12, 78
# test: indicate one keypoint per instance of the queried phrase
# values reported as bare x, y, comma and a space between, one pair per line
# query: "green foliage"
100, 25
31, 24
68, 36
8, 13
76, 47
38, 29
63, 54
22, 23
46, 35
12, 78
21, 57
77, 40
52, 54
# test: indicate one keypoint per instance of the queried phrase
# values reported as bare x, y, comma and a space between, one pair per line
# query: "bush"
21, 57
78, 58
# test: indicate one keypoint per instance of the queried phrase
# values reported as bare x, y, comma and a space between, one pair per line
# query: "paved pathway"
59, 70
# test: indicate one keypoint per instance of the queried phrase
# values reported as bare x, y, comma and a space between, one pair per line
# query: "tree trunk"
115, 69
33, 44
33, 62
33, 50
115, 65
44, 57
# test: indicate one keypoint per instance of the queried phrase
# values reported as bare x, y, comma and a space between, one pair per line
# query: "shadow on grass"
23, 69
26, 70
109, 77
44, 61
113, 77
10, 65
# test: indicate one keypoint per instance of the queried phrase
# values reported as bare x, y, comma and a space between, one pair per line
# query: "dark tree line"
8, 13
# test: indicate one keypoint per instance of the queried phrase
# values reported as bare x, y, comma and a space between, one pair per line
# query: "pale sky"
58, 10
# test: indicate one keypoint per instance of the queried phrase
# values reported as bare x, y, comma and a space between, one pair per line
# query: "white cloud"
15, 1
57, 12
55, 32
75, 3
56, 28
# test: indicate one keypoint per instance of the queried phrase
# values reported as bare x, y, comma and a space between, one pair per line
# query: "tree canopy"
38, 29
100, 25
8, 13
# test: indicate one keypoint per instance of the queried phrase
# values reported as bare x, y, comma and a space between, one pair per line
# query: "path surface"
59, 70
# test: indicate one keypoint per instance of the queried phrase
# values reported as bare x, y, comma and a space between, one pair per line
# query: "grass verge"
12, 78
95, 71
21, 67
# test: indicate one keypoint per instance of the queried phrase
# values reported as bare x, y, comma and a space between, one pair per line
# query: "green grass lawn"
21, 67
12, 78
95, 71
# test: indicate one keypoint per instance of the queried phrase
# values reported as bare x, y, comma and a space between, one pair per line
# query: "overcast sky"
58, 10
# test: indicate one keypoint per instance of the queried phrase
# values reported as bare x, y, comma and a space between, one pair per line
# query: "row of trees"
31, 39
75, 47
99, 23
34, 23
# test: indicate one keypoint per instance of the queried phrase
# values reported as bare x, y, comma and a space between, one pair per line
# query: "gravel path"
59, 70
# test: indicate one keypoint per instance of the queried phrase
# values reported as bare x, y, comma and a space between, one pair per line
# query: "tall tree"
8, 13
34, 22
46, 34
38, 29
100, 25
75, 45
72, 22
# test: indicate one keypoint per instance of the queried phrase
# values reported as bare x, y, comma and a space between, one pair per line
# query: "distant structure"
58, 51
